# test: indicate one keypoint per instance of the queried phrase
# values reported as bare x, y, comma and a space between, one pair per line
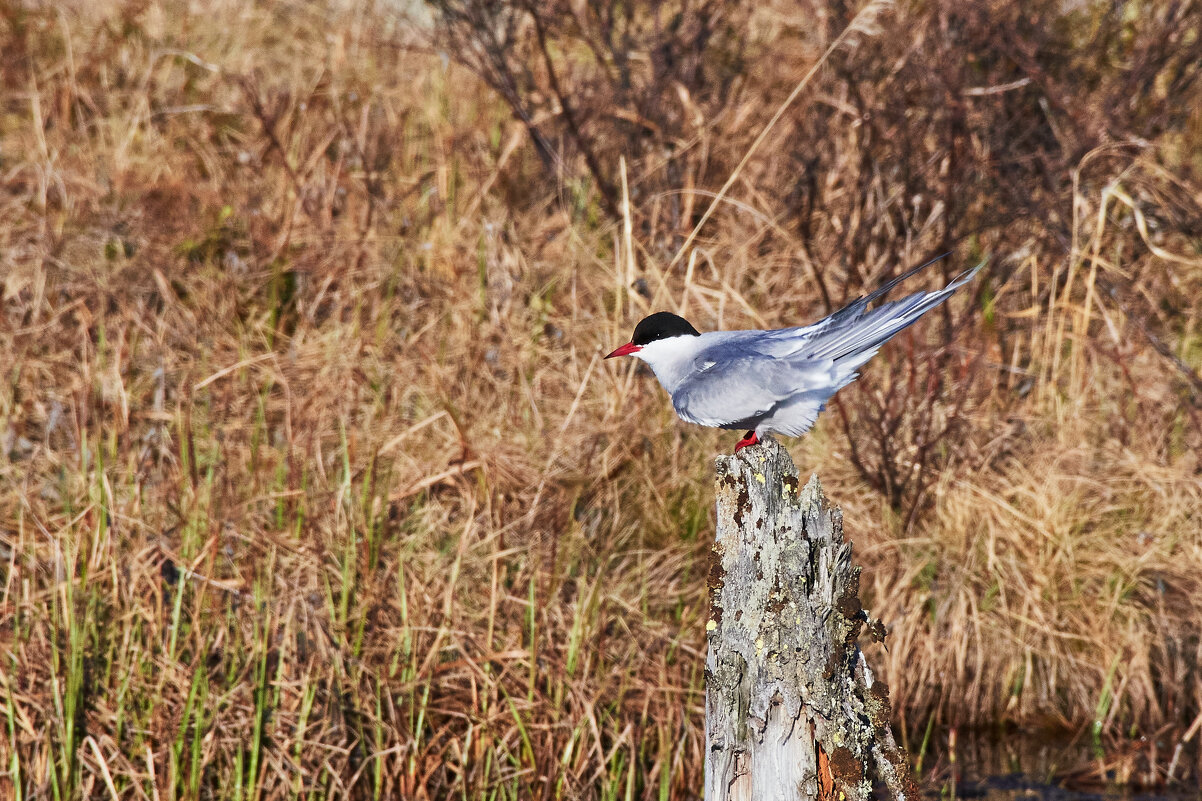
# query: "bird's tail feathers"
854, 343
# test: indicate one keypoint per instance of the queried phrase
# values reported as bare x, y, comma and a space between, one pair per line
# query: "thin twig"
861, 24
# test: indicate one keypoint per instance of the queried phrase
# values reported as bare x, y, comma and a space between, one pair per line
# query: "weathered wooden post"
791, 708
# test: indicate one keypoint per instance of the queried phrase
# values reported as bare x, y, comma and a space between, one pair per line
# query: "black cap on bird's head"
654, 327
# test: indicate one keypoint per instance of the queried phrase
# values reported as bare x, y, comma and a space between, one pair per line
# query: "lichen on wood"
789, 697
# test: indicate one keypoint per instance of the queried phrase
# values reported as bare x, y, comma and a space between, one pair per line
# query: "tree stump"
791, 707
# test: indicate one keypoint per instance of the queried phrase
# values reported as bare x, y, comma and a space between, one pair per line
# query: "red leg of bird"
749, 439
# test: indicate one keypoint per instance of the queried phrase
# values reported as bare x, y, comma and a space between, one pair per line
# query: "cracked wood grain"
792, 710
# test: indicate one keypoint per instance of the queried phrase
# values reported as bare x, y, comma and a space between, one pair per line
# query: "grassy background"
312, 479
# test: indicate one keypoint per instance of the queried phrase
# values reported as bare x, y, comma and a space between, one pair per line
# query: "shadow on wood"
792, 710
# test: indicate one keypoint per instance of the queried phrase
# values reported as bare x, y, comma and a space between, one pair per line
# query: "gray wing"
736, 388
852, 335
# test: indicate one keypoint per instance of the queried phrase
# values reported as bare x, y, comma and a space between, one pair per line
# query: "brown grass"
313, 481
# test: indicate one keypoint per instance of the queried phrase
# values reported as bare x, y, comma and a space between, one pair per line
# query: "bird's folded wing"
743, 388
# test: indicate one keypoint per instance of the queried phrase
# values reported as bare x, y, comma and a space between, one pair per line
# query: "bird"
773, 381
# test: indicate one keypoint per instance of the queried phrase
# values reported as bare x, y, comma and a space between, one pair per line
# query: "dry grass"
313, 482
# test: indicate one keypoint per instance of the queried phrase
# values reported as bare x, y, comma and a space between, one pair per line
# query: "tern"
775, 381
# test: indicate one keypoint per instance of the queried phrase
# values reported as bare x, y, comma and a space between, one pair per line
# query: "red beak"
625, 350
